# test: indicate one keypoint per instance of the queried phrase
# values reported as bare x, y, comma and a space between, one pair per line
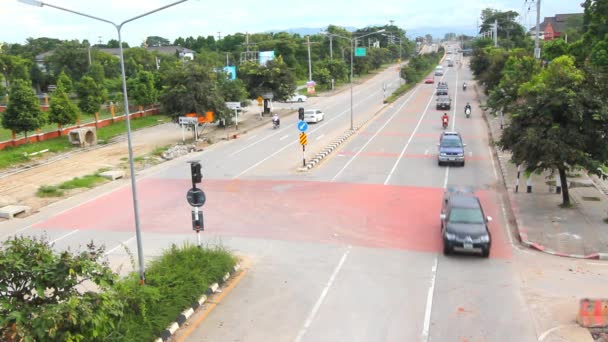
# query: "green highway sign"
360, 52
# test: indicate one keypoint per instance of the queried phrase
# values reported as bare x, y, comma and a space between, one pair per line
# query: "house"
555, 27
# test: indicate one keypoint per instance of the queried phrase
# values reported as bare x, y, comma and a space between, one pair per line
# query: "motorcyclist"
464, 86
467, 107
445, 119
275, 119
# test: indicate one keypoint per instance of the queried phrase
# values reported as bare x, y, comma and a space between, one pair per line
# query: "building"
555, 27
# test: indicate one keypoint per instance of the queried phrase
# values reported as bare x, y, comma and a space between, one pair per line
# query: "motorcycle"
467, 112
445, 123
464, 87
275, 124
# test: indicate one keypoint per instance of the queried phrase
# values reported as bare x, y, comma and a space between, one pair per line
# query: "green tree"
23, 112
62, 110
43, 298
14, 67
90, 95
71, 57
552, 128
192, 88
157, 41
96, 72
517, 70
66, 82
232, 90
142, 89
273, 77
554, 48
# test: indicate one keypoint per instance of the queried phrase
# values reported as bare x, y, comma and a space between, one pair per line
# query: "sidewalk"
542, 224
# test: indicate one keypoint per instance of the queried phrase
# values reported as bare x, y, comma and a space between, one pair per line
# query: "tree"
192, 88
553, 128
70, 57
142, 89
14, 67
96, 72
273, 77
113, 43
518, 70
23, 112
157, 41
43, 298
232, 90
62, 110
511, 32
554, 48
66, 82
90, 95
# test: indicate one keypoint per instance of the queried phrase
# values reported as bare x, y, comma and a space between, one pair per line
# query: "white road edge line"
374, 136
546, 333
597, 263
124, 243
65, 235
493, 164
447, 176
315, 309
320, 136
429, 304
284, 137
504, 216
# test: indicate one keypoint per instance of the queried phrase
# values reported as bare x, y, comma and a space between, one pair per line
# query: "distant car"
429, 80
313, 115
464, 225
297, 98
442, 89
443, 102
451, 149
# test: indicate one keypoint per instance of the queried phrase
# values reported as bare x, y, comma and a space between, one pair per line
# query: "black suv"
442, 88
463, 223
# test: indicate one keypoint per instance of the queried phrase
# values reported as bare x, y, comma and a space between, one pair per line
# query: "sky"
19, 21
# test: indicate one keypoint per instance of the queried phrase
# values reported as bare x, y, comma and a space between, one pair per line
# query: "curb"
187, 313
503, 159
339, 141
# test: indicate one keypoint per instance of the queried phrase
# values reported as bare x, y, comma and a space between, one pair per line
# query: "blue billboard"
265, 57
231, 71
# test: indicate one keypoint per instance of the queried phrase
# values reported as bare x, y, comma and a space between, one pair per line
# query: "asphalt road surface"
349, 251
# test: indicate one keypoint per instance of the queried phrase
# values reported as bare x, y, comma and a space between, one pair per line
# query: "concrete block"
113, 174
6, 200
10, 211
582, 183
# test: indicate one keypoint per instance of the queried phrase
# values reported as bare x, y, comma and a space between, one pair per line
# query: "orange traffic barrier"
593, 313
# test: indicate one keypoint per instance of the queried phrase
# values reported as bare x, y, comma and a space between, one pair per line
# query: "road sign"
302, 126
360, 52
260, 101
233, 105
196, 197
303, 139
186, 120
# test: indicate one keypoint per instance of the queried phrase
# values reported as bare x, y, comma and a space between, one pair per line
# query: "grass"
10, 156
119, 128
173, 282
88, 181
158, 151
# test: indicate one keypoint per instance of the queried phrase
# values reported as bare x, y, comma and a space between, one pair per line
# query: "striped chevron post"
558, 185
517, 180
529, 184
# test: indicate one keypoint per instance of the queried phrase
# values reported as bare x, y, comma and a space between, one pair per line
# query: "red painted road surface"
368, 215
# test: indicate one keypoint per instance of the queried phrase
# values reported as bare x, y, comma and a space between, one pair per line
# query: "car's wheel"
462, 164
300, 100
446, 249
485, 252
439, 163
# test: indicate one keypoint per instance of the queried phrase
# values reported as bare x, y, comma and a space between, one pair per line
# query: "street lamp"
140, 253
352, 52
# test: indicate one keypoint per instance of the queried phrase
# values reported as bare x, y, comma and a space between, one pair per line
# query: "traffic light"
195, 170
301, 113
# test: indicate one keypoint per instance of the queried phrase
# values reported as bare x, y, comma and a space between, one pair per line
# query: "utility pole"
309, 61
537, 40
495, 33
331, 48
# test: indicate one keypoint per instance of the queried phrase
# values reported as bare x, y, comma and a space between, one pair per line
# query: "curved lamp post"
140, 253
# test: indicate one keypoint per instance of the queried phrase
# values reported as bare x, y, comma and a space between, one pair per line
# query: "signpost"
236, 106
186, 121
196, 198
302, 126
261, 104
360, 52
303, 142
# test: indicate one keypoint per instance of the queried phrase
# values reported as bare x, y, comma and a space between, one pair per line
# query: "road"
349, 251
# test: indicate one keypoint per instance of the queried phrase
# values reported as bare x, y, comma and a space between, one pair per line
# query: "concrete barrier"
593, 313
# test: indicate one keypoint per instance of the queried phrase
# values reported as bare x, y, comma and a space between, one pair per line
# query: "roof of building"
559, 22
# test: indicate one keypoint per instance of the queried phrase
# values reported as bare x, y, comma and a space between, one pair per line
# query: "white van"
439, 70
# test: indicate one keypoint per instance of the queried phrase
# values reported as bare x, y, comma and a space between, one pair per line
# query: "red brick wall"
51, 135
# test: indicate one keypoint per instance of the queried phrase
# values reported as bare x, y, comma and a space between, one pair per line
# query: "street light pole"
140, 253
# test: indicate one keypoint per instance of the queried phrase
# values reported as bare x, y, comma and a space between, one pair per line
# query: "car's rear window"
466, 215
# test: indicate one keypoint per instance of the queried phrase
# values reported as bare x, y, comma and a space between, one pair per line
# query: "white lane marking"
284, 137
124, 243
320, 136
446, 177
64, 236
598, 263
493, 164
315, 309
429, 304
253, 137
328, 121
546, 333
374, 136
409, 141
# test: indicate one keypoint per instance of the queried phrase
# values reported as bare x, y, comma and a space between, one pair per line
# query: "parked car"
444, 102
464, 225
297, 98
313, 115
451, 149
